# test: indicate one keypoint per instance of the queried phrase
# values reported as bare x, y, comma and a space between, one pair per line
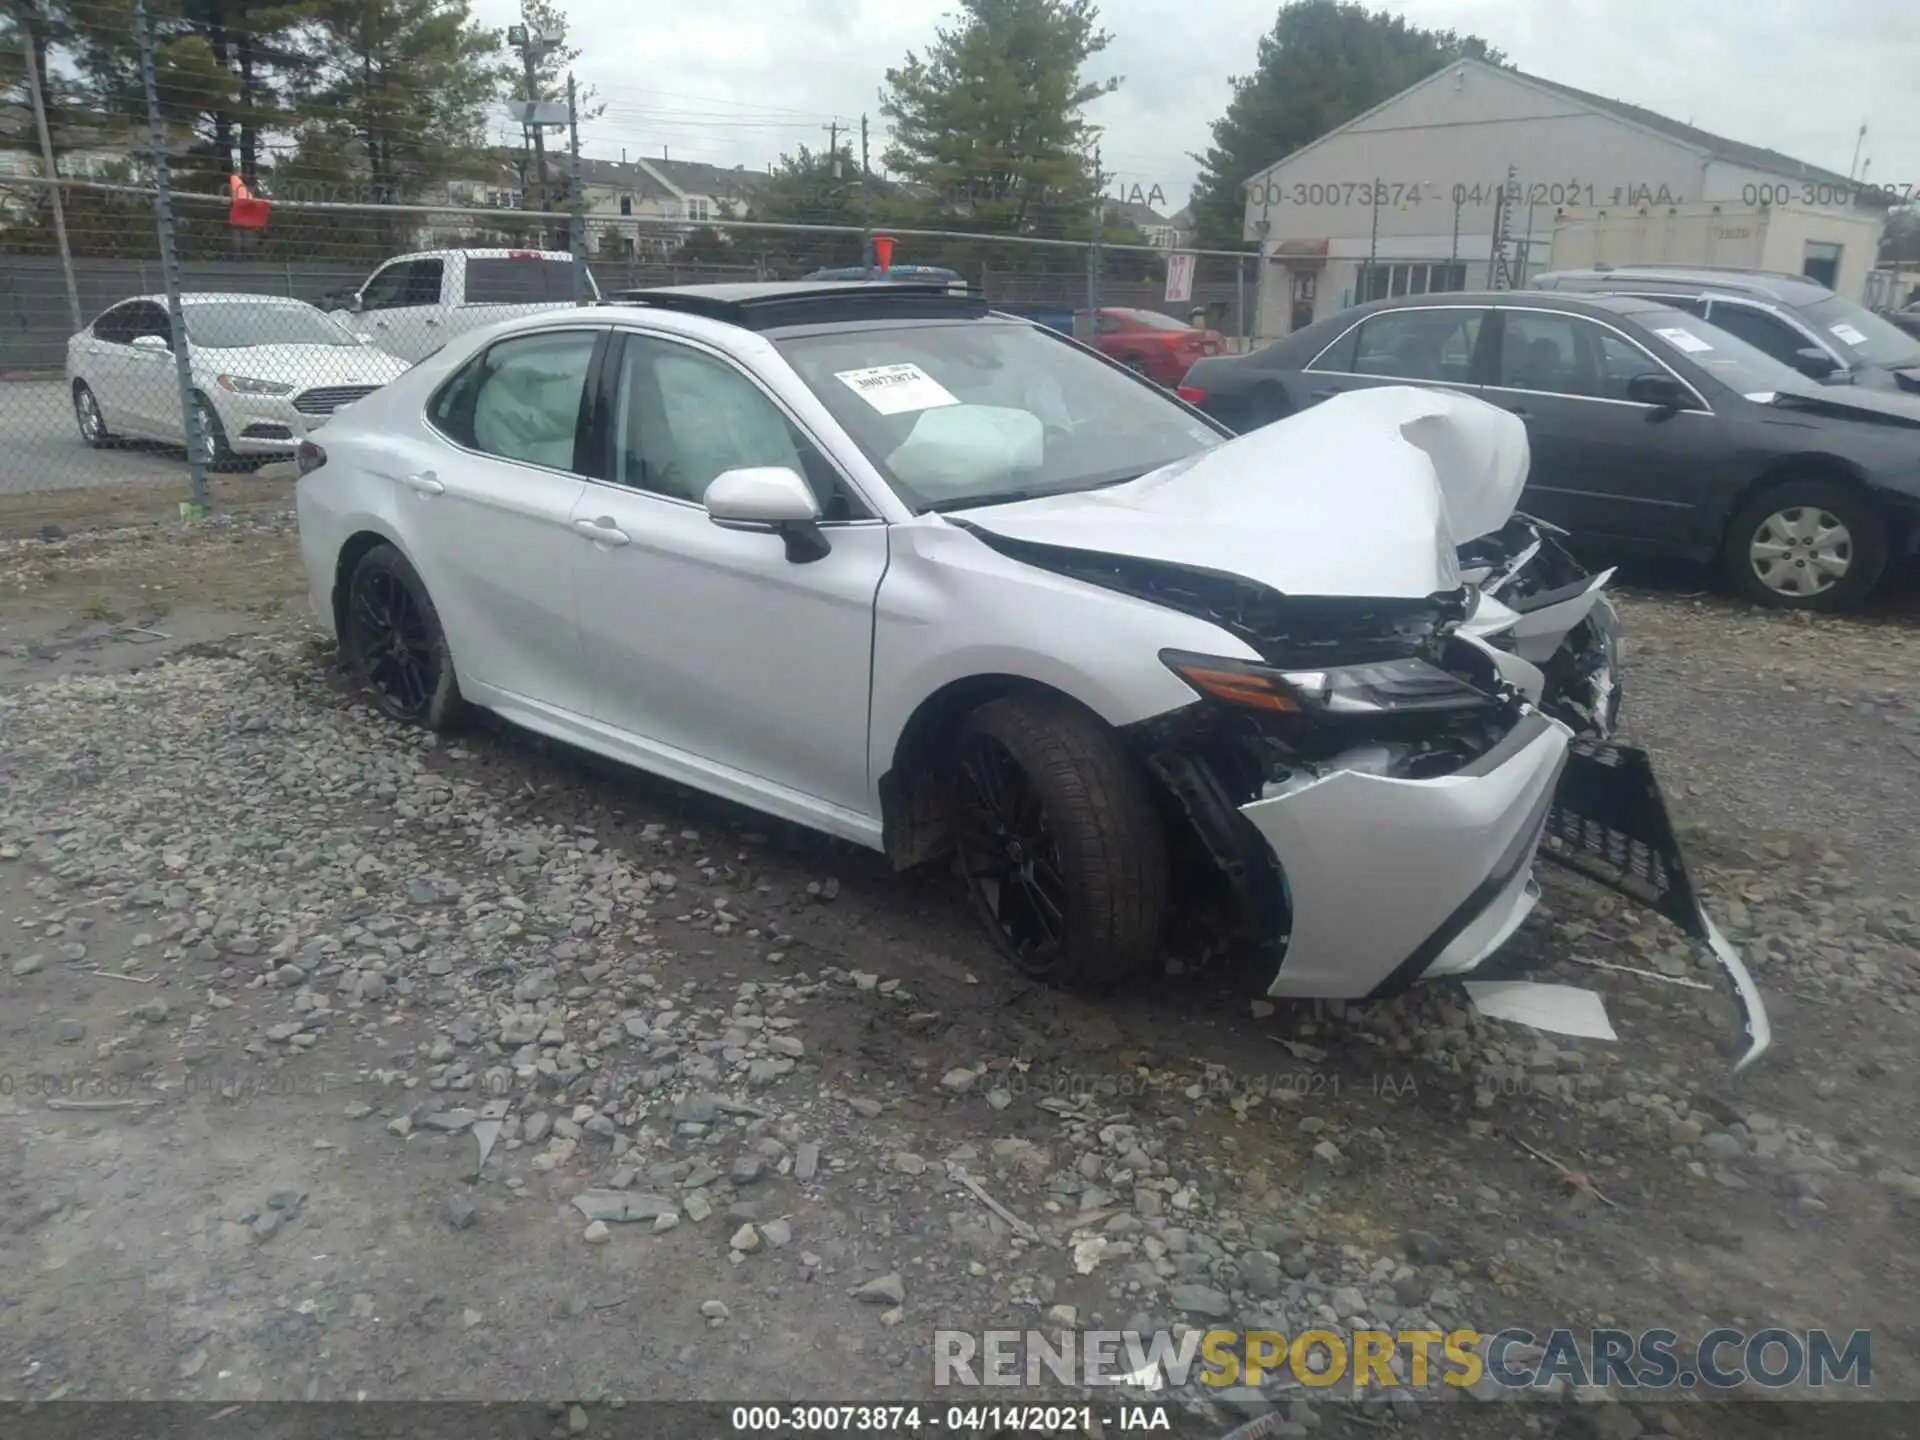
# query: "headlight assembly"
1375, 688
247, 385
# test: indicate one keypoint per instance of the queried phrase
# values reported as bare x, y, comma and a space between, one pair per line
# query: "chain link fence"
221, 238
284, 324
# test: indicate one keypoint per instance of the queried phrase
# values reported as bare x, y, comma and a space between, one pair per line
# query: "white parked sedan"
266, 370
938, 581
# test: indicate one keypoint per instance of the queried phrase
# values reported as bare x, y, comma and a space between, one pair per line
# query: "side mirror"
1661, 391
1814, 363
154, 343
773, 497
353, 304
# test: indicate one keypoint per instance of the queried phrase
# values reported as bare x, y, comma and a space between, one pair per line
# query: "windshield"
975, 411
1728, 358
236, 324
1862, 336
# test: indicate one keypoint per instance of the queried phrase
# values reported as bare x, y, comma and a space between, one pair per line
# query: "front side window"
387, 289
1550, 354
1419, 345
520, 399
683, 418
115, 326
1759, 329
980, 411
1726, 357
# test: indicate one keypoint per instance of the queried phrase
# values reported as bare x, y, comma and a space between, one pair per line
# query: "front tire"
1062, 848
393, 642
215, 453
1808, 544
88, 415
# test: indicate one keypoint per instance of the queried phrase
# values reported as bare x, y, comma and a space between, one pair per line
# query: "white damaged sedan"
937, 581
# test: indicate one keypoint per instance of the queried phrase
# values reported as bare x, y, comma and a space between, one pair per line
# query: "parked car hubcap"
1802, 550
92, 427
391, 640
1011, 861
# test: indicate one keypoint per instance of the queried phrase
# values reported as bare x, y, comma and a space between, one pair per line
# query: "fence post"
196, 506
28, 44
577, 220
1240, 304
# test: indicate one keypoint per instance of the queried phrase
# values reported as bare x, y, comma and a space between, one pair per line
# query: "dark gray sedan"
1651, 430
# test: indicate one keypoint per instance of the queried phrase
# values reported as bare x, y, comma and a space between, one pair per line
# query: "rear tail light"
1192, 394
309, 457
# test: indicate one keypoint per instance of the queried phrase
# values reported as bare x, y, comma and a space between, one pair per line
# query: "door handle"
427, 483
602, 531
432, 321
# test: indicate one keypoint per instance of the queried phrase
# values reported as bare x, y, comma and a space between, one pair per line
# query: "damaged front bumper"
1391, 881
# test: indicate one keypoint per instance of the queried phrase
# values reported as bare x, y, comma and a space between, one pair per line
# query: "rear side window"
520, 399
533, 281
1419, 345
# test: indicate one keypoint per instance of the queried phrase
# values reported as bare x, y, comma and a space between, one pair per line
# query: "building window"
1379, 282
699, 209
1822, 263
503, 199
626, 205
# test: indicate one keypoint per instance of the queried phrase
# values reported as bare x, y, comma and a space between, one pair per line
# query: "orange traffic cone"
883, 252
244, 211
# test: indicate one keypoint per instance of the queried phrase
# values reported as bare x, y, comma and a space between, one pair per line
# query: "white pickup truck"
414, 304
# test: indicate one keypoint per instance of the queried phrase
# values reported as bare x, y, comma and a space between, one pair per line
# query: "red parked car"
1158, 346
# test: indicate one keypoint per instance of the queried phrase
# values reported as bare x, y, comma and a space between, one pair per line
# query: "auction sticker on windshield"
1847, 333
896, 389
1684, 340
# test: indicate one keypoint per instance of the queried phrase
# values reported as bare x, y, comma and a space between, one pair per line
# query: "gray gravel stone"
1201, 1300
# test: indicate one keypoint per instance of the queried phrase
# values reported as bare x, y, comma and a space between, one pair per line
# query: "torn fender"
1609, 823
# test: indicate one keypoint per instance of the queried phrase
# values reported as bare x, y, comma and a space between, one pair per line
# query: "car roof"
207, 297
774, 304
1476, 299
1693, 280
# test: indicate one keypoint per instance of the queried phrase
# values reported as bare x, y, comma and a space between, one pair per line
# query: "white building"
1403, 199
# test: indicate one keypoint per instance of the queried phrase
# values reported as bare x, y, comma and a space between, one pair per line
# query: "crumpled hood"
1367, 494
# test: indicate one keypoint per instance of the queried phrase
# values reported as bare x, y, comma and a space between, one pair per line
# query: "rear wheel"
1808, 544
1270, 403
1061, 846
392, 640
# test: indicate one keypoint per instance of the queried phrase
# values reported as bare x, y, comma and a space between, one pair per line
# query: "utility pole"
576, 221
53, 178
531, 48
866, 203
833, 147
1093, 251
195, 507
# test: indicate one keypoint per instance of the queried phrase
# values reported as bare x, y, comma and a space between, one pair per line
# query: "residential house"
665, 198
1165, 232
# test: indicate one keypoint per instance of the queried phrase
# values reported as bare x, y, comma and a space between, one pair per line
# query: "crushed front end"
1377, 792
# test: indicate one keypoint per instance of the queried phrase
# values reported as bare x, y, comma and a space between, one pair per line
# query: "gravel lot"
481, 1070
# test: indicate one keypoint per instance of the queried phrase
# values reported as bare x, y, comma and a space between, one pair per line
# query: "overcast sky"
727, 82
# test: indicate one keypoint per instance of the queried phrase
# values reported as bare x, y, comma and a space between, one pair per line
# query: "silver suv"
1794, 319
